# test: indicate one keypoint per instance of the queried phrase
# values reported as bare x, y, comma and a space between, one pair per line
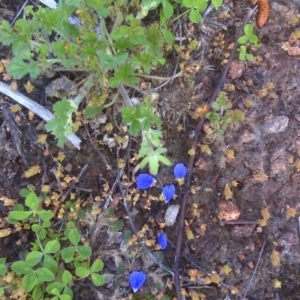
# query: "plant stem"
124, 95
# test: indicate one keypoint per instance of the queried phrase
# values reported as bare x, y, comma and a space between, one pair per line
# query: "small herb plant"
248, 38
40, 272
141, 118
105, 42
222, 116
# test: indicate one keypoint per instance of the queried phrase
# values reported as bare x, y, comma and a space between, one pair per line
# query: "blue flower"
136, 280
144, 181
168, 192
180, 171
162, 240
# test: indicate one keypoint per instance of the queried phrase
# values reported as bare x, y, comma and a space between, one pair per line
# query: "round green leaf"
98, 279
45, 215
97, 266
243, 39
29, 281
195, 16
74, 236
44, 274
24, 192
33, 258
36, 227
32, 201
46, 224
55, 288
84, 251
67, 254
52, 247
66, 277
82, 272
20, 267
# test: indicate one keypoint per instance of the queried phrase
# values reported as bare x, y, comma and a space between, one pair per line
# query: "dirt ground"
264, 165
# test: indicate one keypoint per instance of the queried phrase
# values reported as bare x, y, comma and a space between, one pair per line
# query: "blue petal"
144, 181
162, 240
180, 171
136, 280
168, 192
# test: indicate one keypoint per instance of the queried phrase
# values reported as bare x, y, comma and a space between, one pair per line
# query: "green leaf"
50, 264
195, 16
167, 9
65, 297
164, 160
97, 266
248, 29
249, 57
144, 162
67, 254
153, 164
29, 281
98, 279
68, 291
44, 274
74, 236
42, 234
3, 270
20, 215
52, 247
82, 272
124, 74
91, 111
243, 39
55, 288
169, 36
84, 251
24, 192
21, 267
18, 68
253, 39
217, 3
46, 224
2, 260
66, 277
37, 293
32, 201
45, 215
36, 227
8, 36
33, 258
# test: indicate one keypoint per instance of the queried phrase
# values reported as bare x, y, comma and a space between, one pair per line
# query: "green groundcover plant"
107, 43
41, 272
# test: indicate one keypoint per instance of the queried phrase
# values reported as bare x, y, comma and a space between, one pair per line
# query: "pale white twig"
38, 109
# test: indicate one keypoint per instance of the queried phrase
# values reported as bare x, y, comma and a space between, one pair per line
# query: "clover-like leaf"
162, 240
168, 192
144, 181
180, 171
136, 280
